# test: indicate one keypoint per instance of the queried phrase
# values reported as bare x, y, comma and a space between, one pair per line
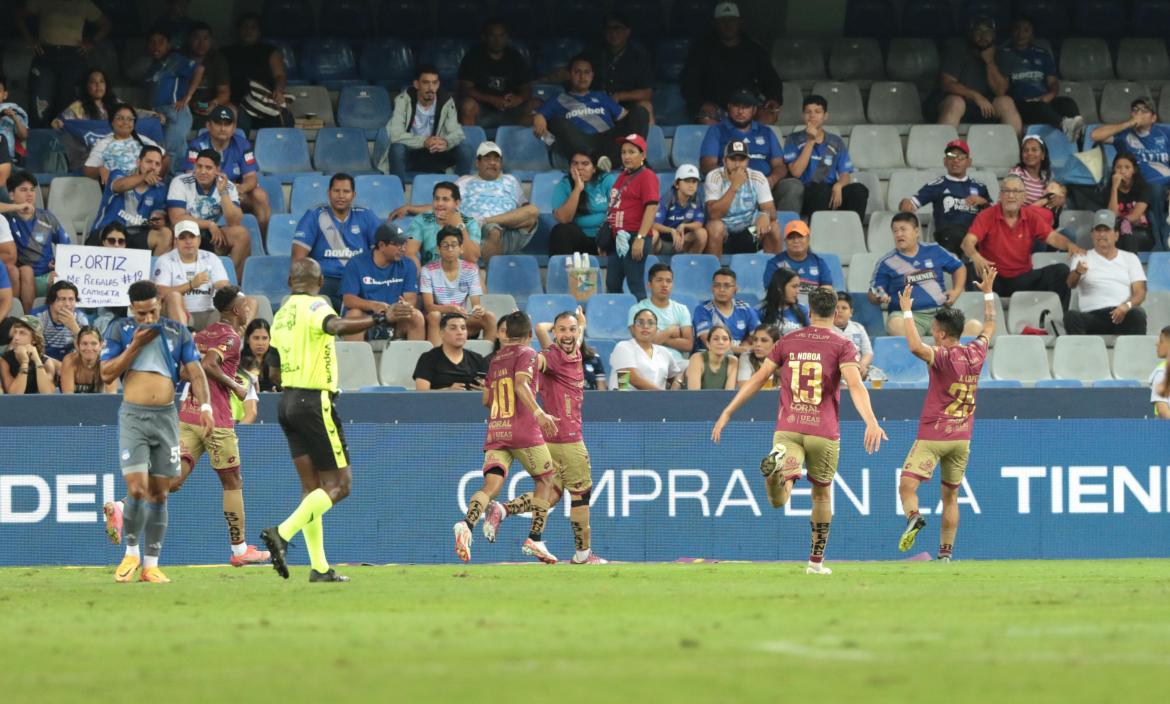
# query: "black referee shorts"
312, 427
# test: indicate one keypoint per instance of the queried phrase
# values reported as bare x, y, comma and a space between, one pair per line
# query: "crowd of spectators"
179, 172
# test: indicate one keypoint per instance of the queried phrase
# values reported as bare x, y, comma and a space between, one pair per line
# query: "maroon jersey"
511, 426
949, 408
225, 341
810, 361
562, 390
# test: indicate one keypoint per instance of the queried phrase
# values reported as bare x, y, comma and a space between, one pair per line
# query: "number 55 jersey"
810, 361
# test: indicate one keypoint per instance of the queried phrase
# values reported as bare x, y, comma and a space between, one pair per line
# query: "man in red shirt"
1003, 236
944, 429
812, 362
514, 432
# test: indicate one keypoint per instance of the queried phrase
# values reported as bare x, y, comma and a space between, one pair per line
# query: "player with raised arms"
944, 429
514, 432
149, 353
303, 332
562, 389
812, 362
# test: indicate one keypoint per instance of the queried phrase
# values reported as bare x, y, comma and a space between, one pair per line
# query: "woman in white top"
650, 366
119, 150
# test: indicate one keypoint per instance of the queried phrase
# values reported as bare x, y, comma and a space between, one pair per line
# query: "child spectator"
451, 285
681, 218
853, 330
36, 232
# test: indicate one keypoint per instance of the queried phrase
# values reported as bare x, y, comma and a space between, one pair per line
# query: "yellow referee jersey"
308, 354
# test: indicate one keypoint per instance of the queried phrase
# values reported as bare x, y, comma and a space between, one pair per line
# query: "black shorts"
741, 242
313, 427
137, 237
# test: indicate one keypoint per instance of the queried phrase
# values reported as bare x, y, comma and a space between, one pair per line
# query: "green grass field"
995, 632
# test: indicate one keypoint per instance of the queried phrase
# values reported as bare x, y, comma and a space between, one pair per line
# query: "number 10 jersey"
511, 424
810, 361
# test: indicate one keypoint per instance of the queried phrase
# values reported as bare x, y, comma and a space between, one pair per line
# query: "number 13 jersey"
511, 426
810, 361
949, 408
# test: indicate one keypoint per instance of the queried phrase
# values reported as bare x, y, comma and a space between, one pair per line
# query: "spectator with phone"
450, 366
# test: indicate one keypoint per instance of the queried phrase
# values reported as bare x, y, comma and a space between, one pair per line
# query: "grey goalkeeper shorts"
148, 439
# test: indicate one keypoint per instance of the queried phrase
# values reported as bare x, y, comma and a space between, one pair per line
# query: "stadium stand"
355, 360
1080, 357
267, 276
543, 307
893, 356
398, 362
1020, 357
342, 149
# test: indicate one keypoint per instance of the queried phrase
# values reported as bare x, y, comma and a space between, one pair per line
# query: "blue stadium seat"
868, 315
693, 272
351, 19
267, 276
543, 307
230, 267
292, 65
516, 274
552, 54
404, 18
603, 348
1058, 384
685, 147
282, 150
522, 150
463, 18
423, 186
365, 107
1060, 150
275, 190
1150, 18
543, 185
656, 154
690, 301
578, 18
286, 18
546, 91
252, 225
525, 19
281, 229
870, 18
308, 191
607, 314
669, 107
380, 193
388, 62
557, 280
1158, 273
342, 149
671, 54
749, 272
41, 145
931, 19
443, 54
892, 355
1100, 18
328, 62
690, 18
835, 269
1000, 384
1112, 384
474, 135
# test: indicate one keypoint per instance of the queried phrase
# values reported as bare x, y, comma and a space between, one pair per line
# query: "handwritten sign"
102, 275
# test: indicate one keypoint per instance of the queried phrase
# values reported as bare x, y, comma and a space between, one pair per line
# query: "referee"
303, 332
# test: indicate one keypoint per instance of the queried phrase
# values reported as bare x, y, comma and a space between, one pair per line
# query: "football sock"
520, 504
579, 520
820, 538
156, 530
945, 550
315, 503
133, 522
475, 507
911, 514
314, 533
539, 517
233, 513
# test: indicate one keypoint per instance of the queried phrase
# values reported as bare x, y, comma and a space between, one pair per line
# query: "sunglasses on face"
116, 241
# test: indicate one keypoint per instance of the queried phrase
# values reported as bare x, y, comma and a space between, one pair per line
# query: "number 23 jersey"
511, 426
949, 408
810, 361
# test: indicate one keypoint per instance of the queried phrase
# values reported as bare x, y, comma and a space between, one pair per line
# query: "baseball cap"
958, 144
1145, 101
743, 96
726, 9
736, 147
486, 148
388, 233
686, 171
1104, 218
796, 227
189, 227
635, 139
221, 114
981, 22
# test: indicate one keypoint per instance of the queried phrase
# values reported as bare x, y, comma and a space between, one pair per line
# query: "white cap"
188, 226
726, 9
686, 171
486, 148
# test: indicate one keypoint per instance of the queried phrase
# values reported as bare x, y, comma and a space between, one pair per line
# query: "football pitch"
1023, 631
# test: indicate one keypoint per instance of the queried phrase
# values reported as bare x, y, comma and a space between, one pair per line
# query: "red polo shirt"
1010, 248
